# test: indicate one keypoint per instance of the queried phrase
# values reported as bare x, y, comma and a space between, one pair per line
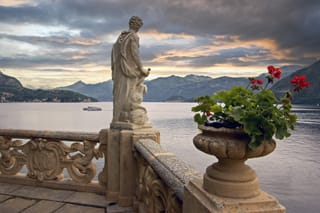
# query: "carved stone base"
129, 126
196, 199
232, 179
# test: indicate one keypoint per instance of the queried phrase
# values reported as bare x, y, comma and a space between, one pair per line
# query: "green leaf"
200, 119
216, 108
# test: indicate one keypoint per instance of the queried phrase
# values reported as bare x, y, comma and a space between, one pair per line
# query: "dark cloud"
55, 41
27, 62
228, 56
25, 14
57, 50
293, 24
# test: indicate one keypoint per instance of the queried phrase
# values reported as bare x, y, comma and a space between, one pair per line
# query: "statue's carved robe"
127, 75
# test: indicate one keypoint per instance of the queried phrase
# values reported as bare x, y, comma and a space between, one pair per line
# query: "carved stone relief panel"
46, 159
152, 194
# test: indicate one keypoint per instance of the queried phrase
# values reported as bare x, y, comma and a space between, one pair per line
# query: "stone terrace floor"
19, 198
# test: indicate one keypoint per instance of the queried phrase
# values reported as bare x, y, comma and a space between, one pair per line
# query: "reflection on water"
291, 172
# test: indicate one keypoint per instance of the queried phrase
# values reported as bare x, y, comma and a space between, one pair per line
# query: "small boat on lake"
92, 108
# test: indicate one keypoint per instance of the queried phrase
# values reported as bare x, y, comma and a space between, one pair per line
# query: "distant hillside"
188, 88
8, 81
11, 90
172, 88
306, 96
101, 91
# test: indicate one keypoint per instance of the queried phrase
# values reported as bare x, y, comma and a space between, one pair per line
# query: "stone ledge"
56, 135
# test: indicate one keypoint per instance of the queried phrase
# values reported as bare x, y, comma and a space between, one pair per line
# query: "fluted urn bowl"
229, 143
230, 176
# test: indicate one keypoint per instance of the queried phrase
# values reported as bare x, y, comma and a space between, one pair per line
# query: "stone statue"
128, 77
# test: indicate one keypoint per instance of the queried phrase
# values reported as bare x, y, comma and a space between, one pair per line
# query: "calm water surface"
291, 172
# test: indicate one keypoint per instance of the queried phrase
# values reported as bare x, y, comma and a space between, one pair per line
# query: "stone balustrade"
46, 154
136, 172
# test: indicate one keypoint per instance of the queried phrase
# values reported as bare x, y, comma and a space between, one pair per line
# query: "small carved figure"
10, 159
87, 152
128, 76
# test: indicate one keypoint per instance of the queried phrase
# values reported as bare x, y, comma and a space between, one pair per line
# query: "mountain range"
173, 88
101, 91
11, 90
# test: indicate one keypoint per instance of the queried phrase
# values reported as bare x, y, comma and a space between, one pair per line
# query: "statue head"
135, 23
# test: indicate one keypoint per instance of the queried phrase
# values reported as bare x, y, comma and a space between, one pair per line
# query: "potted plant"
239, 124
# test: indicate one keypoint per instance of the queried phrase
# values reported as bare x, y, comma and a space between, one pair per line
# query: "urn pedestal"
230, 177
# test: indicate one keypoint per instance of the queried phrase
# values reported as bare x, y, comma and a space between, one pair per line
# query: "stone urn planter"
230, 177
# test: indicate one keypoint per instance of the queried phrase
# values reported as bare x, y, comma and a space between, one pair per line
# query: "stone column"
121, 165
113, 165
103, 139
128, 169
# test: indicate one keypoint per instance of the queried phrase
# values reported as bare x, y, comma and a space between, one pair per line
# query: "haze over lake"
291, 172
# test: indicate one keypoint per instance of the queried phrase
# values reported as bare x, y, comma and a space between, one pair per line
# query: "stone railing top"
58, 135
174, 172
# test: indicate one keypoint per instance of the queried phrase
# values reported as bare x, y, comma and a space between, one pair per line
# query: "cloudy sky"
49, 43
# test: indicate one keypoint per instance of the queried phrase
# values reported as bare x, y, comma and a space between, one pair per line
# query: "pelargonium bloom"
256, 81
259, 81
273, 73
299, 82
271, 69
277, 73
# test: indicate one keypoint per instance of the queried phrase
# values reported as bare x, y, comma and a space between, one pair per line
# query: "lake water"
291, 172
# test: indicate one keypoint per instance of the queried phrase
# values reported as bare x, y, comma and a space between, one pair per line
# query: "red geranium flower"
253, 81
271, 69
256, 81
273, 73
277, 73
259, 81
299, 82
